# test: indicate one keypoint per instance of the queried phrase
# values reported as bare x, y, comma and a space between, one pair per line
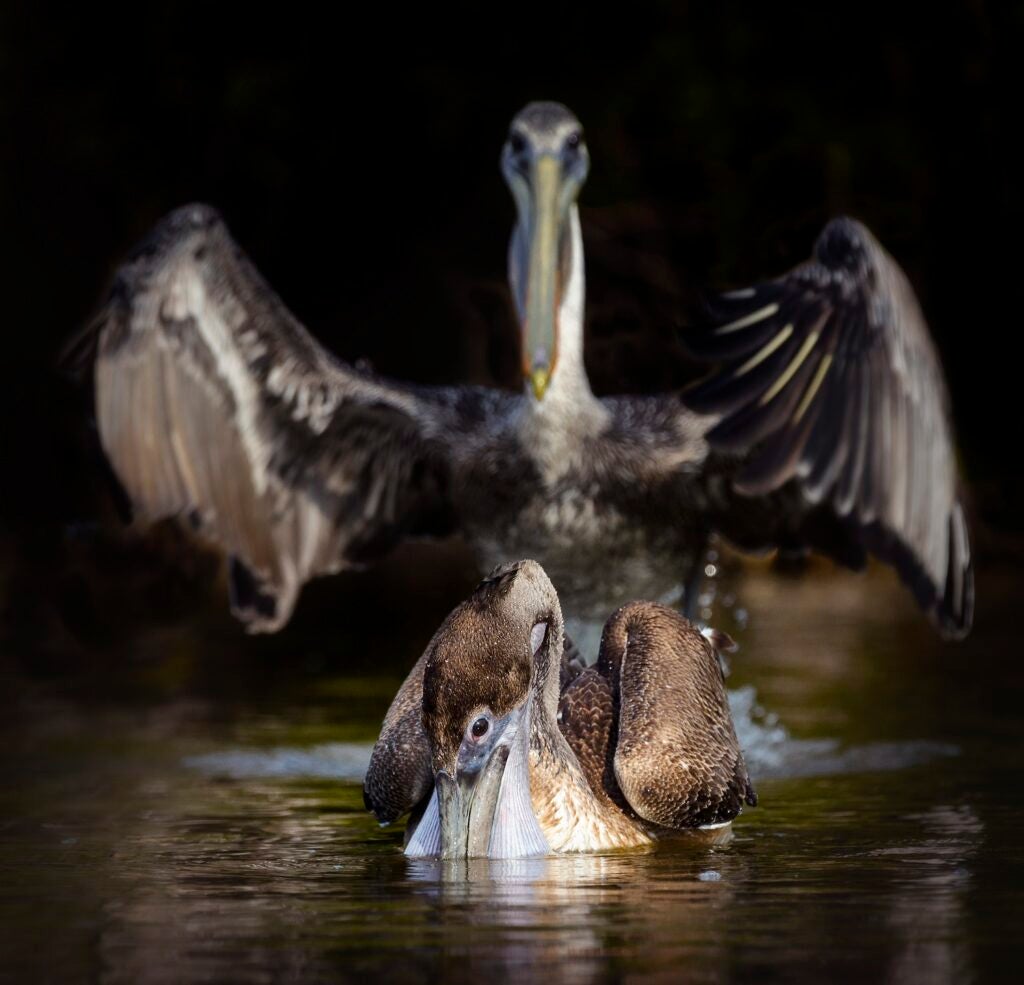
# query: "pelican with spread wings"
824, 423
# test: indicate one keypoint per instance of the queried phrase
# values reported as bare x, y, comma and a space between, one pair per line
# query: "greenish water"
161, 821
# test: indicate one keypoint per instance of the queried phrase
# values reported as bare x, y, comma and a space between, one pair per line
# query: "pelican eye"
574, 140
479, 728
516, 142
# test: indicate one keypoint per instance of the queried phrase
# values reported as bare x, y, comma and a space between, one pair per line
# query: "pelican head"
545, 163
476, 712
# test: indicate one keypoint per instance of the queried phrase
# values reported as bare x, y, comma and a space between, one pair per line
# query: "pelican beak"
544, 275
485, 810
467, 805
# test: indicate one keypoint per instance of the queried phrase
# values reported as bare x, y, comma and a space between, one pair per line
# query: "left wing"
827, 380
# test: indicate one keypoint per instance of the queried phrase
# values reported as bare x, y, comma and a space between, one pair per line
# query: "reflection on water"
933, 946
553, 912
199, 836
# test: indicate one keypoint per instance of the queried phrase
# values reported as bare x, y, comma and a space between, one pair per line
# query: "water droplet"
710, 876
710, 570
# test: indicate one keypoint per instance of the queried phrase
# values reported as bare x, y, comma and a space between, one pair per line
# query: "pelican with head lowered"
825, 425
502, 749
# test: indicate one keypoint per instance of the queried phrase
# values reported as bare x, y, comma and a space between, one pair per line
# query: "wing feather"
828, 378
214, 403
676, 759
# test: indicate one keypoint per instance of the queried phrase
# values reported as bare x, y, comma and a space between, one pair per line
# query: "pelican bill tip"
540, 379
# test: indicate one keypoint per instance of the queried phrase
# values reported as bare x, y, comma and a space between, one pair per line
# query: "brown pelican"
521, 755
826, 426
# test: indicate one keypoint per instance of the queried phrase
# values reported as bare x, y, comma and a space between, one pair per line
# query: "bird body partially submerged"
825, 427
503, 753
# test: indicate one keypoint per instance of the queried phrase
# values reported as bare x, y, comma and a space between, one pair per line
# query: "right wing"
828, 382
677, 759
214, 403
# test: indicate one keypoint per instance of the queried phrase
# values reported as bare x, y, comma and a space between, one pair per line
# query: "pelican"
824, 424
501, 751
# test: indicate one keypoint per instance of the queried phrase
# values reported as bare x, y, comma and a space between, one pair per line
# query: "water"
169, 818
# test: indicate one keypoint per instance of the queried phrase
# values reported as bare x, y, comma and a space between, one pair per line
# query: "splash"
770, 751
763, 739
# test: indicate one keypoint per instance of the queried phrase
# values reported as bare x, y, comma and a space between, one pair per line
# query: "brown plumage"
408, 780
482, 633
477, 632
672, 719
620, 754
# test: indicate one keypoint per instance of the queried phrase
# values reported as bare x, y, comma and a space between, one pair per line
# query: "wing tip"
954, 610
948, 602
77, 356
260, 606
953, 613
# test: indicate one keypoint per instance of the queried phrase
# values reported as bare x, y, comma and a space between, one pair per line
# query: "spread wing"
828, 379
215, 404
677, 759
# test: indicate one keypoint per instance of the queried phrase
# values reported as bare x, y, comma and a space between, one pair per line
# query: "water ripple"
345, 761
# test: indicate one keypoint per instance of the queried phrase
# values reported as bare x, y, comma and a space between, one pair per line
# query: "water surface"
193, 813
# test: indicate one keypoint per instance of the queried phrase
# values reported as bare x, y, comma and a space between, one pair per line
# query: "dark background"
356, 161
356, 158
